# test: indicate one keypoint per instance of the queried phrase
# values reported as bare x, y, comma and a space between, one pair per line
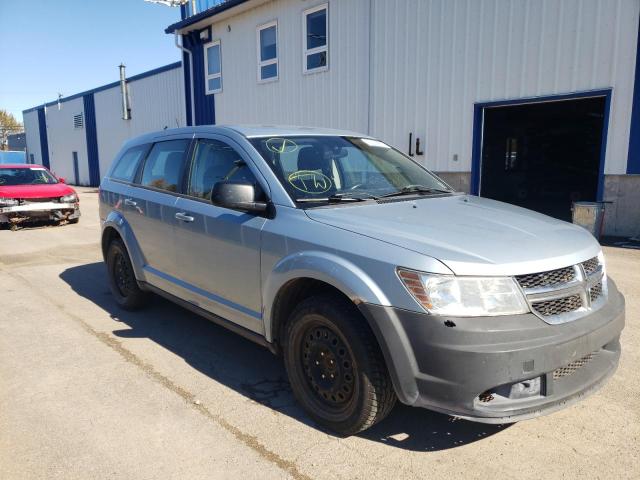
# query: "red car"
32, 193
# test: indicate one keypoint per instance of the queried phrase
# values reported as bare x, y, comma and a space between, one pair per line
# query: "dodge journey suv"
372, 278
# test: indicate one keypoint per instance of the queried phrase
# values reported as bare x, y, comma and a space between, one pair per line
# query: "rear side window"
128, 163
163, 168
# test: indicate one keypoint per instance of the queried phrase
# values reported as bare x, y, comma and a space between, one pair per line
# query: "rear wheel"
335, 366
122, 279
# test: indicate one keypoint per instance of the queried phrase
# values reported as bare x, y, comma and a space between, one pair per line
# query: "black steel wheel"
122, 279
335, 366
328, 365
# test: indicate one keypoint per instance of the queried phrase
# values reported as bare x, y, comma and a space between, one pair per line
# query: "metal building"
532, 102
78, 136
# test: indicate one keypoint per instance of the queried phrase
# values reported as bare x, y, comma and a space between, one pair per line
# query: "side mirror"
61, 180
237, 196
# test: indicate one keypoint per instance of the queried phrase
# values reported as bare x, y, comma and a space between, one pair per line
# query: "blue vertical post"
44, 141
92, 139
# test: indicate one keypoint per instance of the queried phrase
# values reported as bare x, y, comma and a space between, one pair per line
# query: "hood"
36, 191
471, 235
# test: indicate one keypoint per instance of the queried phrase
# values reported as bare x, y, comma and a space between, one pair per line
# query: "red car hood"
36, 191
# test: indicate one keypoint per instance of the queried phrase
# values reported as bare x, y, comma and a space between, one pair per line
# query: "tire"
326, 335
73, 220
122, 279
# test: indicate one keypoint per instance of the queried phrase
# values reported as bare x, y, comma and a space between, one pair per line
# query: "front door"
150, 211
219, 249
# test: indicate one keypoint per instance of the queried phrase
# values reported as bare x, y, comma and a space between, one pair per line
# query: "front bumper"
465, 367
39, 211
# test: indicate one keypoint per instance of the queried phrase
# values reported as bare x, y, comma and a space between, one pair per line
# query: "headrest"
311, 158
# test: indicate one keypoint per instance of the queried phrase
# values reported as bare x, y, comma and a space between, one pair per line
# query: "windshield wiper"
339, 197
409, 189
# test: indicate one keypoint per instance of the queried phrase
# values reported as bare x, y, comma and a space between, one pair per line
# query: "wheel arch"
298, 277
295, 276
116, 226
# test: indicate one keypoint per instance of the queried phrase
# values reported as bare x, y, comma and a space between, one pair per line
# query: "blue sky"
67, 46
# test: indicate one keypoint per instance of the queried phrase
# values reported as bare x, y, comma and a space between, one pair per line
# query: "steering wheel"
356, 186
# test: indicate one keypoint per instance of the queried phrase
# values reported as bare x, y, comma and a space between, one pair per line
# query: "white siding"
432, 60
156, 102
336, 98
65, 139
32, 132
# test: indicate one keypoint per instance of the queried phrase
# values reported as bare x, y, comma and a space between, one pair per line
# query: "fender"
326, 267
116, 220
362, 290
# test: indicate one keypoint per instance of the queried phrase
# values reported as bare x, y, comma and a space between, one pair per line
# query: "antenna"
169, 3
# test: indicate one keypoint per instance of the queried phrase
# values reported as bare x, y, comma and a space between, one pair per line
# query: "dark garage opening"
543, 156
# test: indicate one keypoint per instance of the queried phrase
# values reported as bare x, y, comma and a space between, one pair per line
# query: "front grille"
547, 279
38, 200
596, 291
591, 265
572, 367
558, 305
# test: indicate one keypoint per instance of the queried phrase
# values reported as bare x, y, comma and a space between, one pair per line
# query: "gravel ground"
90, 391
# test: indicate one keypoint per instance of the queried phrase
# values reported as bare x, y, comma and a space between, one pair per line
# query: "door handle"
184, 217
130, 203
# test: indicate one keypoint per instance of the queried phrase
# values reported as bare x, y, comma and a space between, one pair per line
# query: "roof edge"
139, 76
210, 12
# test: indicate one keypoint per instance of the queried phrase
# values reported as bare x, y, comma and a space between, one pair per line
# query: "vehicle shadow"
252, 370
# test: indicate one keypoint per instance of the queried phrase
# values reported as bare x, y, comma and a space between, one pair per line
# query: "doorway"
542, 154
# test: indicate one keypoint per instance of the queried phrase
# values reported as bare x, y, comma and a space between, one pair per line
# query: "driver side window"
215, 161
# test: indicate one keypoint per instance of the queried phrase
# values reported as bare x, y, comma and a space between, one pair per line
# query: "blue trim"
633, 158
187, 87
183, 12
477, 148
203, 293
140, 76
478, 123
603, 145
92, 139
76, 168
44, 140
204, 14
204, 105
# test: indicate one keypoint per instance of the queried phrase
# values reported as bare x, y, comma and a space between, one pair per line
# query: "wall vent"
78, 121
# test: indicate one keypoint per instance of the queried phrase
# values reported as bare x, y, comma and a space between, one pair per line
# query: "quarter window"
267, 36
127, 166
163, 168
316, 39
214, 162
213, 66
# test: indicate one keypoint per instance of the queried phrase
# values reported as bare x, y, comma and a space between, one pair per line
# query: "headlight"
72, 197
464, 296
8, 202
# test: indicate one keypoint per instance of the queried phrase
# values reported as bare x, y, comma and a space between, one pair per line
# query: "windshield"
25, 176
324, 168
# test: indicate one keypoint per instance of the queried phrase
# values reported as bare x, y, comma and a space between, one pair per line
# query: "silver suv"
371, 277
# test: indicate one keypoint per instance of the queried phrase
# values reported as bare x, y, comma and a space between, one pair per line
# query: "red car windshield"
26, 176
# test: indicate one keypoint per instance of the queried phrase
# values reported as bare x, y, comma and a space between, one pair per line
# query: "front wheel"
335, 365
122, 279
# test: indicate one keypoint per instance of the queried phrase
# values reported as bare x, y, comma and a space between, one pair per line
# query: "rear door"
150, 209
219, 249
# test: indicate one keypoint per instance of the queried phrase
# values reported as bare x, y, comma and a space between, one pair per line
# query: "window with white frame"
267, 38
213, 67
315, 27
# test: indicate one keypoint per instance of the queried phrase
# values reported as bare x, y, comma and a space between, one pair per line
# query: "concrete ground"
90, 391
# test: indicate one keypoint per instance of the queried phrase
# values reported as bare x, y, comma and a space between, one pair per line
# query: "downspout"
191, 93
370, 92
